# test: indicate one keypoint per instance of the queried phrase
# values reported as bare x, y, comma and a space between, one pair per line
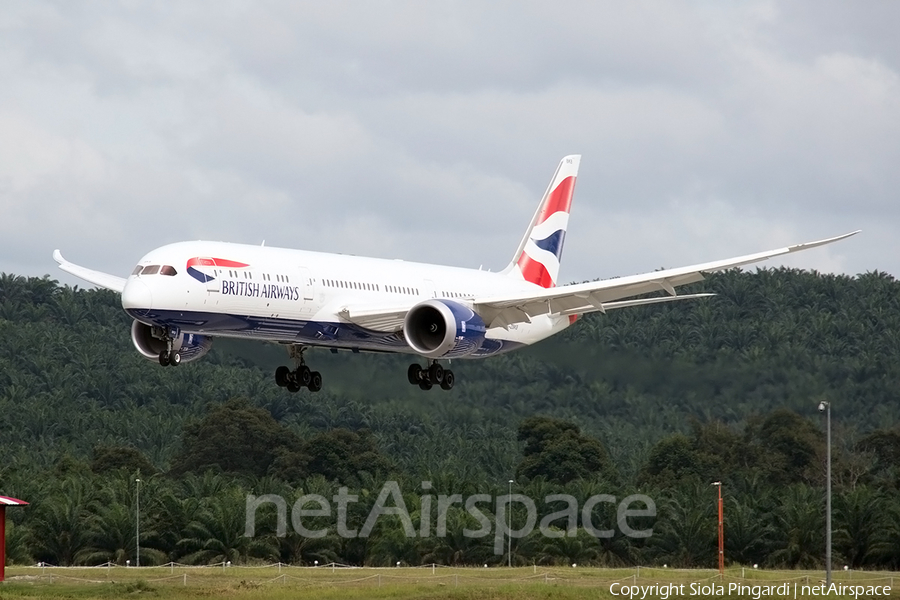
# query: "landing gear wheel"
282, 376
448, 381
435, 374
293, 387
425, 385
174, 359
414, 374
315, 381
164, 358
304, 375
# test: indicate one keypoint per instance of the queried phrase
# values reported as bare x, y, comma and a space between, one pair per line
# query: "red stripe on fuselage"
215, 262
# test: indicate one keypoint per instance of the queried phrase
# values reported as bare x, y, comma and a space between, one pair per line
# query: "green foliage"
234, 438
662, 399
127, 458
557, 451
338, 455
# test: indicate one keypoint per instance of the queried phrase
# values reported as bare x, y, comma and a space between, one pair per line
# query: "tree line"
656, 400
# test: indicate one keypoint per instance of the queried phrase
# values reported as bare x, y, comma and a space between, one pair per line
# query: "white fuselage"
295, 296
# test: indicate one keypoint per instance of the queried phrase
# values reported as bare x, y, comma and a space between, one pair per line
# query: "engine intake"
443, 329
189, 345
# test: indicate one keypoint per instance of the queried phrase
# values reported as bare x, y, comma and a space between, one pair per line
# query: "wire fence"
337, 575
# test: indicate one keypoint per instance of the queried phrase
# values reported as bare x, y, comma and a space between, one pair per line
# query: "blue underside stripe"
312, 333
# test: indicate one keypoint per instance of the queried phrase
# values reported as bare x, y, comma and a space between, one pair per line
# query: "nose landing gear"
299, 378
170, 357
430, 376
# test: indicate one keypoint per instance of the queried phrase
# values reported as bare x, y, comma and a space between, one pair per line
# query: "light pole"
825, 406
509, 525
718, 484
137, 523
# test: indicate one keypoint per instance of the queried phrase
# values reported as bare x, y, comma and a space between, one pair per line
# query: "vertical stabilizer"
540, 251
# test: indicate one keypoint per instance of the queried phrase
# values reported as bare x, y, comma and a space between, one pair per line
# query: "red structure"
718, 484
4, 502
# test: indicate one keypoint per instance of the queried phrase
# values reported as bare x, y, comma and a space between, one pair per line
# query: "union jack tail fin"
540, 251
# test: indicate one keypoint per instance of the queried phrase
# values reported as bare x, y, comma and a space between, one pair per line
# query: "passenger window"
168, 270
150, 270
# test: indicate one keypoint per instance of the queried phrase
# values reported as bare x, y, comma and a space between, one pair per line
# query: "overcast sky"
429, 130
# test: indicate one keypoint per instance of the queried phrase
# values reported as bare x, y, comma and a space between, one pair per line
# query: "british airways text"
269, 291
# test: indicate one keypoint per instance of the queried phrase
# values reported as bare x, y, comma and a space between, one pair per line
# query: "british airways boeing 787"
182, 296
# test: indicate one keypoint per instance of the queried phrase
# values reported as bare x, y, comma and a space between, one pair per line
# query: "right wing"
104, 280
521, 307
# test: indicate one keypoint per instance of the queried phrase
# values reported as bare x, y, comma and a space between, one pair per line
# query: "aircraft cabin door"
307, 284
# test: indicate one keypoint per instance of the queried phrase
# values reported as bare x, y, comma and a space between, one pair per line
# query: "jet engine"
443, 329
189, 346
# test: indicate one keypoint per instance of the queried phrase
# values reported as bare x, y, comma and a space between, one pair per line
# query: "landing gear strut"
301, 377
431, 376
168, 357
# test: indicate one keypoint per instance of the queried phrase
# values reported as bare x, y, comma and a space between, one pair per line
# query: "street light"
137, 522
509, 525
825, 407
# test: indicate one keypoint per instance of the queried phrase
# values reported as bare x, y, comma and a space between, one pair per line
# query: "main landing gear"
430, 376
299, 378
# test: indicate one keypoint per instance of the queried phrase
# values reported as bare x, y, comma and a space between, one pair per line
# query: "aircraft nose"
136, 295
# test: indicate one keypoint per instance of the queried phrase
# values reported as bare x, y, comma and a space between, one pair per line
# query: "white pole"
137, 523
509, 525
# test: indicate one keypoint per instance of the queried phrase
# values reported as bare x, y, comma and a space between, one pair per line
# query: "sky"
428, 131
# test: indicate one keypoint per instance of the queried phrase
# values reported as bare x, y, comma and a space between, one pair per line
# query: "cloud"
429, 131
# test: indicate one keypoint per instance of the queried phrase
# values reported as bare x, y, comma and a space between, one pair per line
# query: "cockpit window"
168, 270
150, 270
137, 270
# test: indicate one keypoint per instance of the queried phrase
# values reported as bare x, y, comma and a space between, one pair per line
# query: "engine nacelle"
189, 345
443, 329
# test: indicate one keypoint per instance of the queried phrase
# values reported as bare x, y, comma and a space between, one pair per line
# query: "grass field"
283, 582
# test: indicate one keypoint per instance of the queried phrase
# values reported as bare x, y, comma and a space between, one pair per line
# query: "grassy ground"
276, 583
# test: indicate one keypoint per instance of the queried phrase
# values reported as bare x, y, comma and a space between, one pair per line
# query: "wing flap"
384, 319
104, 280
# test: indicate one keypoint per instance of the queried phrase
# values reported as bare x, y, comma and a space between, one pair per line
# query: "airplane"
184, 295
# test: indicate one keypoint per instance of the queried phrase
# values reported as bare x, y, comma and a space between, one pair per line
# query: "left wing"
104, 280
502, 311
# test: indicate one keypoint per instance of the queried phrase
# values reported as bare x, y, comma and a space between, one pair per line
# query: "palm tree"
859, 523
217, 535
799, 539
685, 533
59, 525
